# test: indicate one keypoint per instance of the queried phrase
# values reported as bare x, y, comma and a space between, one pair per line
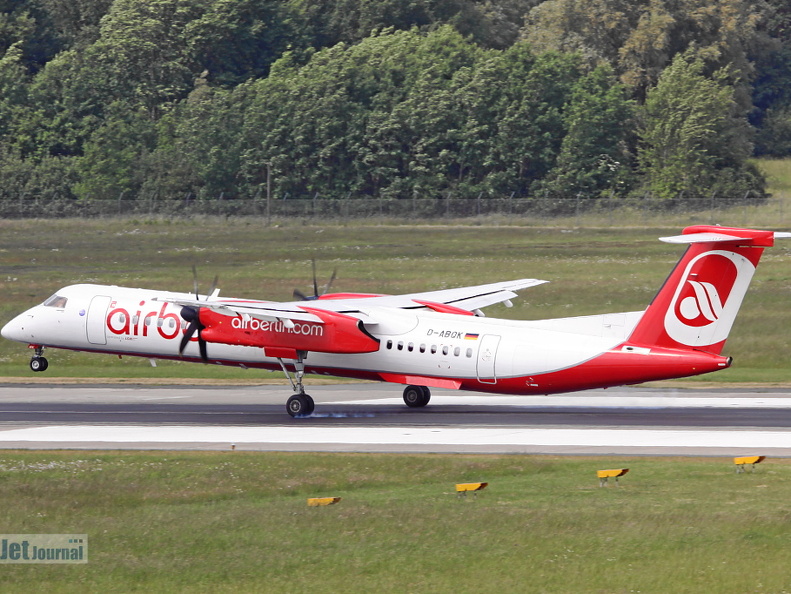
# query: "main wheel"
39, 364
416, 396
300, 405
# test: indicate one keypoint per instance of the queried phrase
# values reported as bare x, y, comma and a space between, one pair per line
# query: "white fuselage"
140, 322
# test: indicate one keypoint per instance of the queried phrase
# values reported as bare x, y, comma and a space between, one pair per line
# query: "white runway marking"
738, 441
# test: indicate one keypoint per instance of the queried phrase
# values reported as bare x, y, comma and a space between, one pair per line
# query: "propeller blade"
195, 280
213, 287
187, 336
302, 297
192, 315
329, 282
202, 348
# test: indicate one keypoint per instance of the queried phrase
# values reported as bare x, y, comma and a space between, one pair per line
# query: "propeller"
299, 295
192, 316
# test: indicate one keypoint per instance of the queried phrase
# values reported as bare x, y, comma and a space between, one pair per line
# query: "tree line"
398, 99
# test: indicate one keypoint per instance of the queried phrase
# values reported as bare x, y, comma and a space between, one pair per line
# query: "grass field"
239, 522
592, 270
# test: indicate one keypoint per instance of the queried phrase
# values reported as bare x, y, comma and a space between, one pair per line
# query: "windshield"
56, 301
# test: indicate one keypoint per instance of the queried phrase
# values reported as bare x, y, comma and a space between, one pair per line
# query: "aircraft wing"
463, 299
262, 310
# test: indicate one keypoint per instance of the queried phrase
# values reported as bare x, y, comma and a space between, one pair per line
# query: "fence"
319, 208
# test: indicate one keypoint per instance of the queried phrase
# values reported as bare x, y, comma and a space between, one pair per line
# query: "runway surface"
373, 418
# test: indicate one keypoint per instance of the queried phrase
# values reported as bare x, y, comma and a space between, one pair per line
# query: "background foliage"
202, 99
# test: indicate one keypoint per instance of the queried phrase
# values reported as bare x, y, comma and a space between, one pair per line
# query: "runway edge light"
604, 475
319, 501
742, 461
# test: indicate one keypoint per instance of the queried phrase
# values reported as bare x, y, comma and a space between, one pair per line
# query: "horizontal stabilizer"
713, 234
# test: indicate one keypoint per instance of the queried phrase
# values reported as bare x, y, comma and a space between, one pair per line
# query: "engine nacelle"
336, 333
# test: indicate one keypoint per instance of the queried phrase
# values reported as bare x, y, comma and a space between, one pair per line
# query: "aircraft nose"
15, 329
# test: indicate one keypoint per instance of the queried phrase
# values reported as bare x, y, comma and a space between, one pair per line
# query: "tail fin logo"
701, 308
705, 303
708, 297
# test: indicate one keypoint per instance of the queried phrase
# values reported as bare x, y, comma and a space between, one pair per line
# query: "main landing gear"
37, 362
300, 404
416, 396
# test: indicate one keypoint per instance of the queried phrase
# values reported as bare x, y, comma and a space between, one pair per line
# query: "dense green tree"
24, 24
234, 40
13, 90
493, 24
771, 94
113, 156
640, 38
693, 141
74, 24
397, 99
531, 126
594, 156
42, 180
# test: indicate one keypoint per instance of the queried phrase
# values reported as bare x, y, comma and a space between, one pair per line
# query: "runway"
372, 418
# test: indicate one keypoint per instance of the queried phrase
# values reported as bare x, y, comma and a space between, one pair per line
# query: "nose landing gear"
38, 362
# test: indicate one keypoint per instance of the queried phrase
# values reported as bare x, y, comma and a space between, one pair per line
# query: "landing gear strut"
37, 362
300, 404
416, 396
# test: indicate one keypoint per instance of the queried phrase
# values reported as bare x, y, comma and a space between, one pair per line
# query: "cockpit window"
56, 301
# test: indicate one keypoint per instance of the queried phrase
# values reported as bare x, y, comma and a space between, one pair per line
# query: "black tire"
38, 364
300, 405
416, 396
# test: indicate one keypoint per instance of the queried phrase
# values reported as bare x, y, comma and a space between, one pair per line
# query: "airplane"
434, 339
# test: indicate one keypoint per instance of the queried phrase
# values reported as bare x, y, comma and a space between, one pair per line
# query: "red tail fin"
698, 303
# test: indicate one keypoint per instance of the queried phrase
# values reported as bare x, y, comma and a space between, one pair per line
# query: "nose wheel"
39, 364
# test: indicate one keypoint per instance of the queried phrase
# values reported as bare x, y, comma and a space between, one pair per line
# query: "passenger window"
456, 351
469, 353
400, 346
433, 349
56, 301
389, 345
445, 350
422, 348
410, 347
